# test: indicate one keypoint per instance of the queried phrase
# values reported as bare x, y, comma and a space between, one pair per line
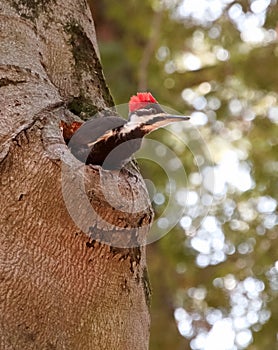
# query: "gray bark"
59, 287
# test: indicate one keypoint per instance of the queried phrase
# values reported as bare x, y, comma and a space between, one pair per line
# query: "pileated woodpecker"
112, 140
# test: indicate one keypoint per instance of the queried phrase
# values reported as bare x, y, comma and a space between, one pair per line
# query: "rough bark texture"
59, 287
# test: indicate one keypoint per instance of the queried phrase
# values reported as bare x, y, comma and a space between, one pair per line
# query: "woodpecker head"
145, 111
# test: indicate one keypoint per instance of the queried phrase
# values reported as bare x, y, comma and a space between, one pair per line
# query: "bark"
61, 287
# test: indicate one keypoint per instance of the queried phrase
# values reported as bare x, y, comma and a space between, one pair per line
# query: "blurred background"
214, 284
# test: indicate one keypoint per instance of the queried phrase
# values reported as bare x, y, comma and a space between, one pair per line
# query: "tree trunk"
61, 286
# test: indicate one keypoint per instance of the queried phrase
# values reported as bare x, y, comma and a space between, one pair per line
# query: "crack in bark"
7, 81
16, 68
147, 287
38, 117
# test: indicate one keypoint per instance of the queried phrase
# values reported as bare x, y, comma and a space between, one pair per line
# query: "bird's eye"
153, 111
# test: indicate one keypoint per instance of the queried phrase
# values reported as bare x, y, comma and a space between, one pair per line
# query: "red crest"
141, 100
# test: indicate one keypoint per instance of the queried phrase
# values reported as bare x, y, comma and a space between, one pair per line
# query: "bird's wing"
94, 129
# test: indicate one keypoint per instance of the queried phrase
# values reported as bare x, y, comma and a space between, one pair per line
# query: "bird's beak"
175, 118
163, 120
